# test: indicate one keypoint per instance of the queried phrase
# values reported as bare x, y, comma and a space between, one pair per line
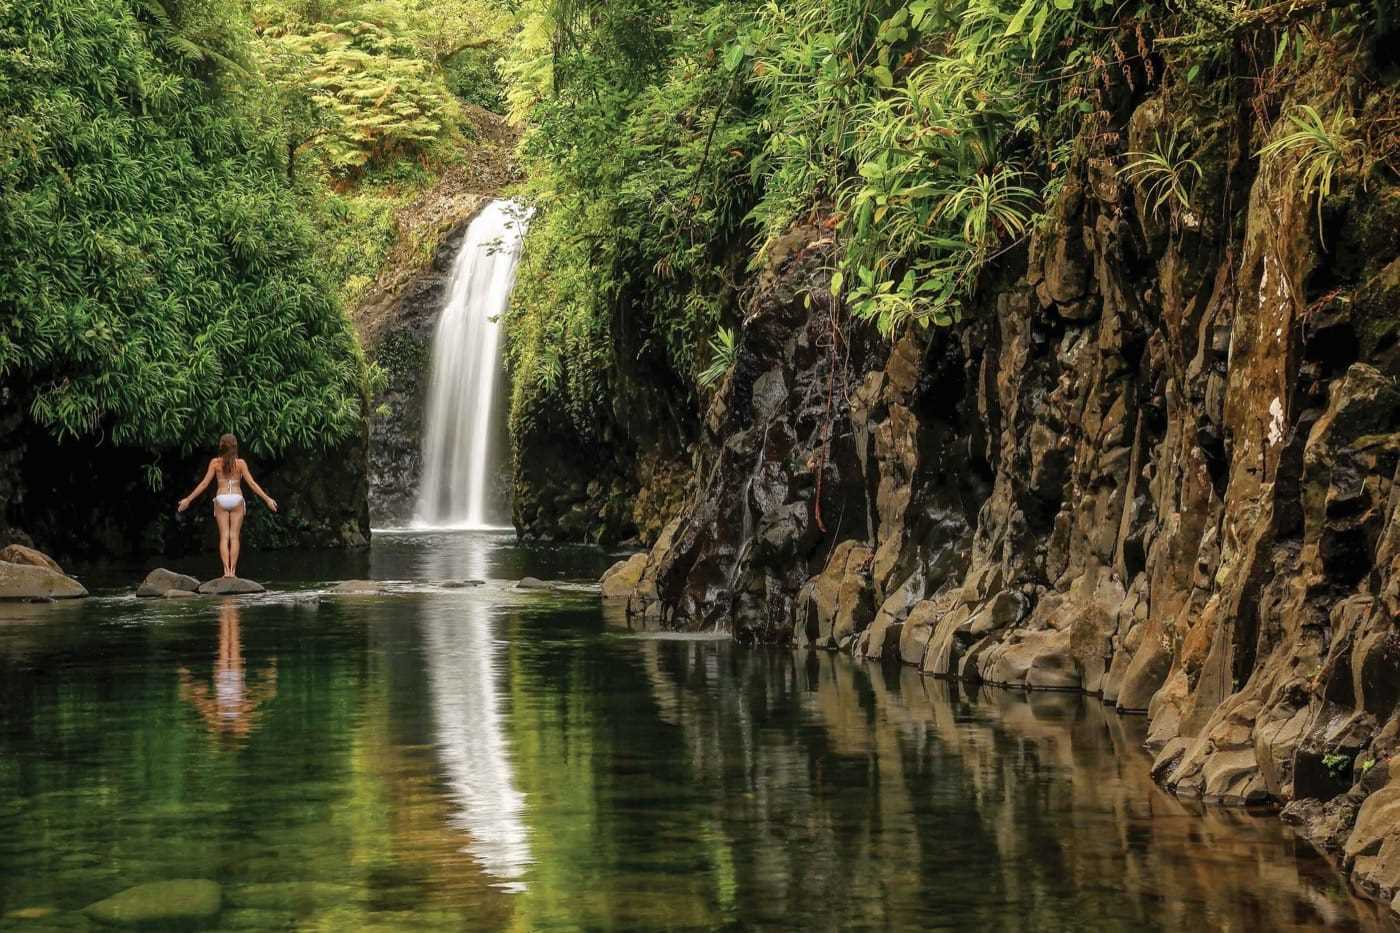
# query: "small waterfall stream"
460, 422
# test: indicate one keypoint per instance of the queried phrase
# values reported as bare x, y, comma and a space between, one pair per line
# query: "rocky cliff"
1157, 463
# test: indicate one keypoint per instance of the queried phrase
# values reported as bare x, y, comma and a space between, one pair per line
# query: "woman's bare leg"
222, 518
235, 535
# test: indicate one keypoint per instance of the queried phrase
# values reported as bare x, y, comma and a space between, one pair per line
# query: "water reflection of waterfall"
462, 416
462, 660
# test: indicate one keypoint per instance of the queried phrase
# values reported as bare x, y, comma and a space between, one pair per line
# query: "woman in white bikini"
229, 506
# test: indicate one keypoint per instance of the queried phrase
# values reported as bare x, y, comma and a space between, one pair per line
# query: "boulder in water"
622, 577
229, 586
160, 581
19, 554
160, 903
532, 583
27, 581
359, 588
460, 584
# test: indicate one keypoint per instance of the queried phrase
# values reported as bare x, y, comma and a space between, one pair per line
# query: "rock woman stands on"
229, 507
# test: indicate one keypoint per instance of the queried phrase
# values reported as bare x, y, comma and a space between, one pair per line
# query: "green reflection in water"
498, 760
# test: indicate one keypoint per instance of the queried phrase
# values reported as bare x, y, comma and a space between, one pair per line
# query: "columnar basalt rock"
1158, 463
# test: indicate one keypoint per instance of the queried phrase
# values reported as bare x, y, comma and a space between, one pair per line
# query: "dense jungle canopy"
195, 193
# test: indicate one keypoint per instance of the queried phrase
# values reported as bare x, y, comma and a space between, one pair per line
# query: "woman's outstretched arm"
247, 474
203, 484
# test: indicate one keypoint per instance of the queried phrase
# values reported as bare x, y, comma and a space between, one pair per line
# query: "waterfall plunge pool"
482, 758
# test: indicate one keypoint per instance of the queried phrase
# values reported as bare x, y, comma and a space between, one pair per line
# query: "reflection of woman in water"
231, 708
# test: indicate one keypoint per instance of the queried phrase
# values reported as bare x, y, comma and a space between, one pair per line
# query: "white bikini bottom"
228, 501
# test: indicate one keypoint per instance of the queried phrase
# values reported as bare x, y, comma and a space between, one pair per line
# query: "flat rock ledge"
160, 582
160, 903
31, 582
230, 586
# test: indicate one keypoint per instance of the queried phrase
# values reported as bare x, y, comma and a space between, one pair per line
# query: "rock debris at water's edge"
1138, 469
27, 574
161, 582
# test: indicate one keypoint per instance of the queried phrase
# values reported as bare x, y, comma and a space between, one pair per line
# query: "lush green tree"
358, 91
157, 283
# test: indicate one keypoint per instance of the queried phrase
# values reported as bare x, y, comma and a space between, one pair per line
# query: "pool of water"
488, 758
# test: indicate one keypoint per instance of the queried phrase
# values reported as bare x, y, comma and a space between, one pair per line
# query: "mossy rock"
181, 901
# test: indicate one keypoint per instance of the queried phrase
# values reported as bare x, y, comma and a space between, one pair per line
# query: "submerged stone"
183, 900
27, 581
359, 588
160, 582
229, 586
291, 895
31, 913
253, 918
460, 584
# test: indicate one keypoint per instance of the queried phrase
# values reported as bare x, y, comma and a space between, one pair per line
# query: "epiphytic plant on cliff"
1166, 174
1320, 150
724, 349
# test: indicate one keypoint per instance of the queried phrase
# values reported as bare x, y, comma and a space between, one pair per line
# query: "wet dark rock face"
1157, 463
624, 472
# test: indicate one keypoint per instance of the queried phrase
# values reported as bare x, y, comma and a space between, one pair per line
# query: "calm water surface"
483, 758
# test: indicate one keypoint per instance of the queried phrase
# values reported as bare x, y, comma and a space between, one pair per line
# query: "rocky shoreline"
1157, 463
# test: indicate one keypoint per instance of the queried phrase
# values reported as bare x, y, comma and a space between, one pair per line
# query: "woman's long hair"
228, 452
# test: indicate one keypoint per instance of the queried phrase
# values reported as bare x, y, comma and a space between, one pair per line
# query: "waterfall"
460, 422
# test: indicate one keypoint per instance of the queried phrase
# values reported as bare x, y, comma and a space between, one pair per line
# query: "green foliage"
1337, 765
637, 149
157, 284
1319, 150
368, 94
918, 125
724, 350
666, 138
1167, 173
472, 76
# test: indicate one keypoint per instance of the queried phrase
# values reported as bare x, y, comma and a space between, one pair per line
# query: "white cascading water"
458, 435
464, 675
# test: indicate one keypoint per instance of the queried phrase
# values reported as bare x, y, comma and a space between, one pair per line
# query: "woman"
228, 501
